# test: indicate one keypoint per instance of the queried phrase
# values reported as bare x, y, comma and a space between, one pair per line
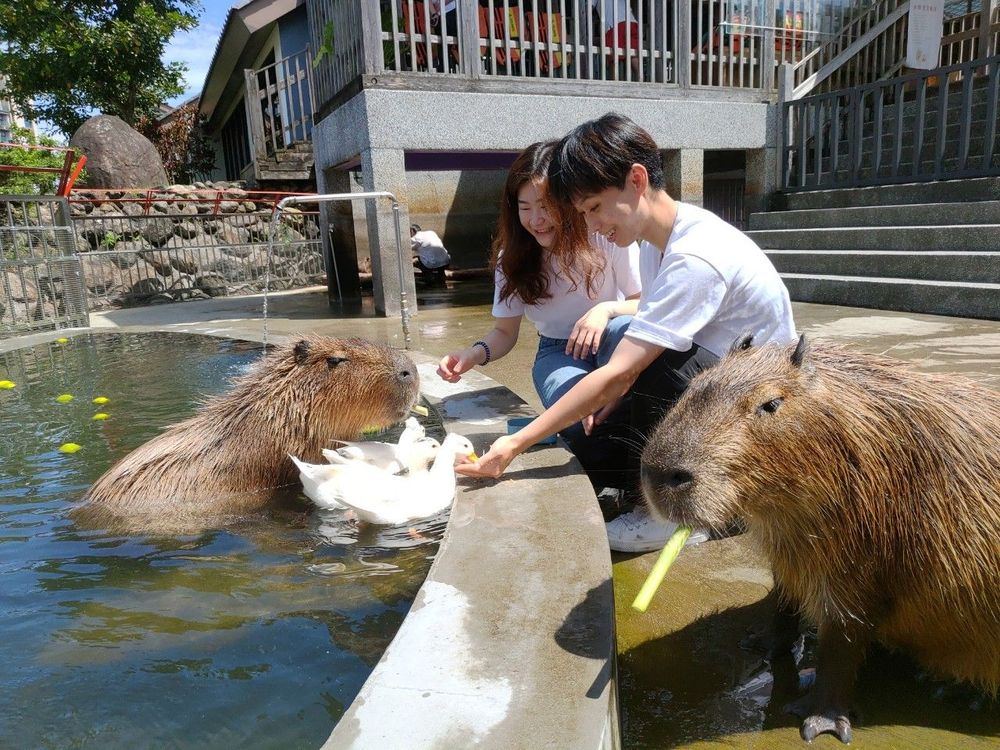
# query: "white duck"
416, 457
382, 498
392, 457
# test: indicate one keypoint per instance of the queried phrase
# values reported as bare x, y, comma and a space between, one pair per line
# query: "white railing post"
786, 85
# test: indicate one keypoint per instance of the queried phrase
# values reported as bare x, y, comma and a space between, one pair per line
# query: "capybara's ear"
301, 351
801, 349
742, 343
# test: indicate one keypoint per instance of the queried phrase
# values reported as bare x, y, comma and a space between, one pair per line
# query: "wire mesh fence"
41, 278
187, 244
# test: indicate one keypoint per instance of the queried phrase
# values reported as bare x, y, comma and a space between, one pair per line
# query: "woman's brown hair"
521, 260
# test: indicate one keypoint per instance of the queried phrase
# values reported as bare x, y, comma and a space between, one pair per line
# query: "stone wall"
190, 241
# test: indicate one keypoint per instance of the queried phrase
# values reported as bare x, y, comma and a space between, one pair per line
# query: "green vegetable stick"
660, 568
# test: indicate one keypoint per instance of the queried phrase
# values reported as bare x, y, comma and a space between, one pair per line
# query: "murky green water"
257, 637
693, 672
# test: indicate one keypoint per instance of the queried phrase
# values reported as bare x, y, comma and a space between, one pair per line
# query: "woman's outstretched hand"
452, 366
587, 331
494, 462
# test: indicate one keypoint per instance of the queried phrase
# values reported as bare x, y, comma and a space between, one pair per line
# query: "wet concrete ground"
688, 678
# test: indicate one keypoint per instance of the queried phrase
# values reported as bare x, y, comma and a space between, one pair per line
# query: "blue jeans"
603, 453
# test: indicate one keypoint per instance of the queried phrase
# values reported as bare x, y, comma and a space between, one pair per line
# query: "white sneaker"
638, 531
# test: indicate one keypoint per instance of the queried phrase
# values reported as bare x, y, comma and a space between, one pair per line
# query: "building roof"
247, 27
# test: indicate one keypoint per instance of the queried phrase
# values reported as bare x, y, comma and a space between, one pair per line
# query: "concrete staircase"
931, 247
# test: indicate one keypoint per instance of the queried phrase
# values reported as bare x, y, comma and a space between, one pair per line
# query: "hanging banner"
923, 33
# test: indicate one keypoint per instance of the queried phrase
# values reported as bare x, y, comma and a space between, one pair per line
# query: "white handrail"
404, 310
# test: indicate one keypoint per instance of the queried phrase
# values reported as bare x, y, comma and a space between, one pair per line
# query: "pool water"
251, 637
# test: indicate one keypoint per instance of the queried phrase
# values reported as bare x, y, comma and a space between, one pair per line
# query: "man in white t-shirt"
704, 284
429, 253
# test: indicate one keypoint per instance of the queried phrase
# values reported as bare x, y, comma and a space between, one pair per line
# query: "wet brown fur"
232, 456
873, 489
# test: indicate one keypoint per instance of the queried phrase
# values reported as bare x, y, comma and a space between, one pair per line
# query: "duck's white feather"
390, 457
315, 478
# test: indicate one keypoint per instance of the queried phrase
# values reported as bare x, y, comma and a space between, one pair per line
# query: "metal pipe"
404, 310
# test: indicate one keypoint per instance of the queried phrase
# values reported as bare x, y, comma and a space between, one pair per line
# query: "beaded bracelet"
486, 348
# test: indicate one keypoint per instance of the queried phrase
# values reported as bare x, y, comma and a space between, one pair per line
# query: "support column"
759, 180
383, 169
340, 249
684, 170
762, 169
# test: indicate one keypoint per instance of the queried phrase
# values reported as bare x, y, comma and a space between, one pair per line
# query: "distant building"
10, 117
256, 99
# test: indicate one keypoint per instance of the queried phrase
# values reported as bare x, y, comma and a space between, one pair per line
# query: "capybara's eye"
332, 362
769, 407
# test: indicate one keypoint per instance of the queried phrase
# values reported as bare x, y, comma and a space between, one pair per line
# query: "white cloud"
194, 48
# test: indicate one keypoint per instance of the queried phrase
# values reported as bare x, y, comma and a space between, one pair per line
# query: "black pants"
656, 390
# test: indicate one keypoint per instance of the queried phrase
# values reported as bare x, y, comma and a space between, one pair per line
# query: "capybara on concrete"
874, 491
231, 457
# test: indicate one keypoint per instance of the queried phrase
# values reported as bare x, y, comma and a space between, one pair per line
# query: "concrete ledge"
510, 642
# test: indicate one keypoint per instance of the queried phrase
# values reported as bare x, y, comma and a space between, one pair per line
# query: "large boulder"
117, 155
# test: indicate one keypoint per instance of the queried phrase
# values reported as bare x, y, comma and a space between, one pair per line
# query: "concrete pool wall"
510, 641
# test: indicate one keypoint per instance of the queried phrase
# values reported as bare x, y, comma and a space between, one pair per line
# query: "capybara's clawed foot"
833, 722
815, 723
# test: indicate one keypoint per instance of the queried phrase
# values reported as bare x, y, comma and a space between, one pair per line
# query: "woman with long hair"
580, 292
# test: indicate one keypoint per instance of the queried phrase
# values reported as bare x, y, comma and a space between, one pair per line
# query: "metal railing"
404, 266
868, 43
152, 246
41, 278
931, 125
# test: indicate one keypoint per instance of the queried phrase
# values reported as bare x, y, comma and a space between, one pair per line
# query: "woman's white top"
709, 286
556, 316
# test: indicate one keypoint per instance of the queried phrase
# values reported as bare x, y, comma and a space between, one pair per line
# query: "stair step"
977, 129
970, 300
928, 154
964, 237
979, 267
913, 214
951, 191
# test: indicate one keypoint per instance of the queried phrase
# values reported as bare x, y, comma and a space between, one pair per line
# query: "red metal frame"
67, 173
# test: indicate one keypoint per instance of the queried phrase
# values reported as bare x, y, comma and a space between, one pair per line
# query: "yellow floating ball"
64, 398
7, 384
69, 448
62, 340
101, 400
100, 416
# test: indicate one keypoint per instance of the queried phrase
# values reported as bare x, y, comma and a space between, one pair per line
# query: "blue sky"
195, 48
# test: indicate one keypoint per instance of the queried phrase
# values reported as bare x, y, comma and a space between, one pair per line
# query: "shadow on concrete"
698, 684
589, 632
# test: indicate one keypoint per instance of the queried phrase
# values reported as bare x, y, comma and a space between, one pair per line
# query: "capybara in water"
874, 491
231, 457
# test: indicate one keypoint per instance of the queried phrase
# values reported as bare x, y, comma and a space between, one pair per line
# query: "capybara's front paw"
831, 721
815, 723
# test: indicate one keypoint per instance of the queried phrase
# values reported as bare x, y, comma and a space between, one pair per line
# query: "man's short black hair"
598, 155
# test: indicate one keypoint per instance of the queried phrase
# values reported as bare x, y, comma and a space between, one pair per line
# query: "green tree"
29, 183
64, 60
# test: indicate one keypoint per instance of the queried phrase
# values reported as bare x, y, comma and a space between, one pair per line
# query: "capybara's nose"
406, 375
666, 478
